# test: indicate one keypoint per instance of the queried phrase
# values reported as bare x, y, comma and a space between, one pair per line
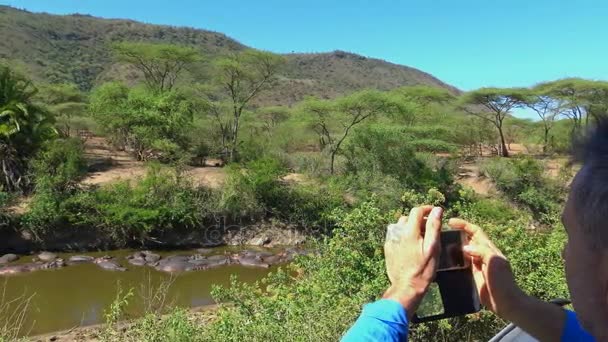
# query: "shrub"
125, 211
385, 151
522, 180
257, 191
433, 145
59, 165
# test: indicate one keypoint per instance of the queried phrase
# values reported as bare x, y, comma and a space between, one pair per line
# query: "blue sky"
466, 43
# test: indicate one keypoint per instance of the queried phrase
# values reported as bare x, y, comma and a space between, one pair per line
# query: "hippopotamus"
137, 261
34, 266
252, 261
143, 258
178, 258
218, 257
107, 263
198, 257
217, 263
6, 258
15, 269
200, 262
291, 253
47, 256
80, 259
151, 257
274, 259
169, 265
57, 263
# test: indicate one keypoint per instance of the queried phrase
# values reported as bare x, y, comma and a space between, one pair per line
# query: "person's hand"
493, 276
412, 255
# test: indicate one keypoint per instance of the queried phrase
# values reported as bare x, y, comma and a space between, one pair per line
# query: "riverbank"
268, 233
200, 315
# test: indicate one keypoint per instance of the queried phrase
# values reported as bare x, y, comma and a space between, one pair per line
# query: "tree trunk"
235, 134
333, 158
546, 140
503, 145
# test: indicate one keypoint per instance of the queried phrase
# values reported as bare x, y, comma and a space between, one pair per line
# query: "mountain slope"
75, 48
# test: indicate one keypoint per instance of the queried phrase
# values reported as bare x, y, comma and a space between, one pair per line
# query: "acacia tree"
161, 64
493, 105
243, 76
151, 125
334, 120
571, 93
547, 107
420, 98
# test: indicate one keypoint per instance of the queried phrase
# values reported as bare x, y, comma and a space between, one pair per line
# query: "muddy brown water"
79, 295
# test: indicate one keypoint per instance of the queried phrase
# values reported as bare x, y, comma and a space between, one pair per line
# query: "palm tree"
23, 127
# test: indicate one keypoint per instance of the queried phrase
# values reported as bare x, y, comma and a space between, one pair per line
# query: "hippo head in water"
57, 263
107, 263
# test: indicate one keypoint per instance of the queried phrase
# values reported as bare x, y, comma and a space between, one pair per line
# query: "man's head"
586, 220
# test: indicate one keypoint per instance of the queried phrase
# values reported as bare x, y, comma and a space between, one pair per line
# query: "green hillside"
75, 49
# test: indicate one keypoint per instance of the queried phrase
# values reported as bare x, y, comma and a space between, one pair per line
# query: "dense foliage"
24, 126
146, 122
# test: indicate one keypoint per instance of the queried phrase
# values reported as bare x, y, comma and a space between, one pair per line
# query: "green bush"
59, 165
257, 190
384, 150
125, 211
522, 180
433, 145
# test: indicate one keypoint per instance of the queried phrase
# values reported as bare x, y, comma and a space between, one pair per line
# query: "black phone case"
458, 293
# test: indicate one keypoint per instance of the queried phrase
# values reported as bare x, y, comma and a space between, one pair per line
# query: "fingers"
480, 280
469, 228
479, 251
416, 217
432, 231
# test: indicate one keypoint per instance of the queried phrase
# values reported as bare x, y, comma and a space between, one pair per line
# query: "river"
78, 295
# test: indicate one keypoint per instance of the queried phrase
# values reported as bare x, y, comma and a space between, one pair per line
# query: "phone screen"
452, 256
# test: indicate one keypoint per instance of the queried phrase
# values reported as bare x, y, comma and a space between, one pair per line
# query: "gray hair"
590, 188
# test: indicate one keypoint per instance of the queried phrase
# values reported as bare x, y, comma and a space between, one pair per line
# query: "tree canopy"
493, 105
161, 64
243, 76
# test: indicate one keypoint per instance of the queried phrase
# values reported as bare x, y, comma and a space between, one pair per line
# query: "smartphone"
452, 257
453, 293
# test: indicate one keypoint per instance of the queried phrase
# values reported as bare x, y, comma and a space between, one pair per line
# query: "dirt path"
110, 165
468, 175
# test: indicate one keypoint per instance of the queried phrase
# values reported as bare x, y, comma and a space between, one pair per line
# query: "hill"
75, 48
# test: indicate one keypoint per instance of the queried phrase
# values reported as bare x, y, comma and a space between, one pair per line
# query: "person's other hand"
493, 276
412, 255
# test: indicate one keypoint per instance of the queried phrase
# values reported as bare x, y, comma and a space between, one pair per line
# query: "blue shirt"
573, 330
386, 320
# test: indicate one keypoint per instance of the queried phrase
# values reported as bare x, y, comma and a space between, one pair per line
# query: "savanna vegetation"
365, 157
